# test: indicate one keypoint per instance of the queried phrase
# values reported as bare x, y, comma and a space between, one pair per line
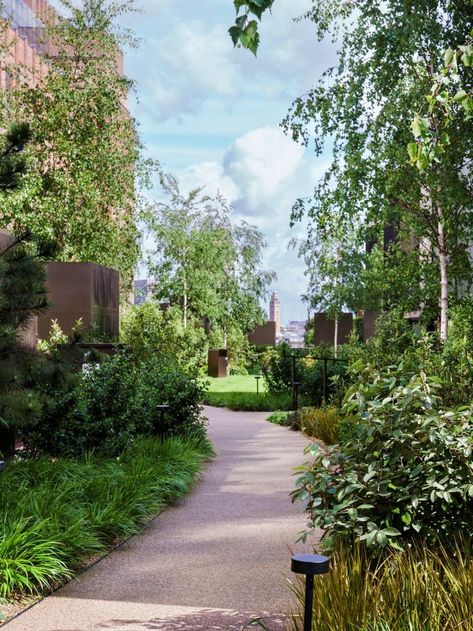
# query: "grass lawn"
236, 383
238, 392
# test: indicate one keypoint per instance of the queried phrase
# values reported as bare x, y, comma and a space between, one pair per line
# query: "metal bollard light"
258, 377
2, 465
161, 409
309, 565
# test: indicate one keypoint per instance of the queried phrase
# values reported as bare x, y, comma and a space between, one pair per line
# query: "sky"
211, 115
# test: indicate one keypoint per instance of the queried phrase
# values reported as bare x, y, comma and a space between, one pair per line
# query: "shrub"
150, 331
406, 474
278, 367
111, 404
415, 590
321, 423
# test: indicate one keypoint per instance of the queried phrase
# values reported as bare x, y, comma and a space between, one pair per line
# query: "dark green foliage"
406, 474
309, 372
112, 403
12, 158
63, 512
22, 293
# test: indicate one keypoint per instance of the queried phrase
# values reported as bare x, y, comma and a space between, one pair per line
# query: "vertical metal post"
257, 384
293, 375
325, 379
309, 602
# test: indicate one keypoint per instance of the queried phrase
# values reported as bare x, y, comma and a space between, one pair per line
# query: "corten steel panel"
82, 291
263, 335
369, 324
218, 363
324, 328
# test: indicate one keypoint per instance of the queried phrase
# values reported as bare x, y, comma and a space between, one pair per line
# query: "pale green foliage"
405, 474
83, 163
321, 423
449, 100
152, 331
363, 107
203, 264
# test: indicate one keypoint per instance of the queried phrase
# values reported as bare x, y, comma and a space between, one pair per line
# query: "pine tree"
22, 293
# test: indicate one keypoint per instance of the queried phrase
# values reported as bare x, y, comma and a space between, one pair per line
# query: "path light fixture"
2, 465
258, 377
309, 565
159, 427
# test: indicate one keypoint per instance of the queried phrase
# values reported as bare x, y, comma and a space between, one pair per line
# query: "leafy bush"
406, 474
151, 331
278, 366
111, 404
415, 590
321, 423
62, 512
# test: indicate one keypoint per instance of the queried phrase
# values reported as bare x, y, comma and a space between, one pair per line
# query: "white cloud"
262, 173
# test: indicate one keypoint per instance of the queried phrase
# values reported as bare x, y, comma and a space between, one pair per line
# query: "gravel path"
214, 560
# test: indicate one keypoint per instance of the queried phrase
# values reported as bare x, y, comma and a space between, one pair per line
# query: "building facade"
275, 312
22, 39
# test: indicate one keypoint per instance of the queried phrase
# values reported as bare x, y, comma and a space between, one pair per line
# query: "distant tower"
275, 312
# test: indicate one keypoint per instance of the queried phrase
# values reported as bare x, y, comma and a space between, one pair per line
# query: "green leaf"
449, 56
391, 532
235, 32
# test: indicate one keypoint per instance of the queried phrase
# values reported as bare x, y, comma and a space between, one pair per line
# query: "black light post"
258, 377
309, 565
2, 465
325, 378
160, 429
295, 395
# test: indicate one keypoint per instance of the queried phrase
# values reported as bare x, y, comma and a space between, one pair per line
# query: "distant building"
294, 333
275, 312
143, 291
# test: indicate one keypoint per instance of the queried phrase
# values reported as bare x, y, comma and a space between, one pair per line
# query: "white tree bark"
443, 265
335, 337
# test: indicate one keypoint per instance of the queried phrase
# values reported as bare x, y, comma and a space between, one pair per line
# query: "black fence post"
325, 379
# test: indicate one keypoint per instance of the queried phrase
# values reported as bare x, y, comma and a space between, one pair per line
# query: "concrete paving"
214, 560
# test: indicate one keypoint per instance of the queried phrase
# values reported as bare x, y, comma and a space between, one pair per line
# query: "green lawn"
235, 383
238, 392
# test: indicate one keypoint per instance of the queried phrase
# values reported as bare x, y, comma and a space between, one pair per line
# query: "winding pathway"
214, 560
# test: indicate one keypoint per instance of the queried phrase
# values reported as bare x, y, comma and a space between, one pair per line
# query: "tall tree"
22, 286
203, 263
389, 53
84, 160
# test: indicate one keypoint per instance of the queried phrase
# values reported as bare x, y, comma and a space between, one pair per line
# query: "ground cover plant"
59, 513
413, 590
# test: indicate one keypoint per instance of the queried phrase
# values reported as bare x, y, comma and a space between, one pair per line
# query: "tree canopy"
363, 107
85, 157
209, 267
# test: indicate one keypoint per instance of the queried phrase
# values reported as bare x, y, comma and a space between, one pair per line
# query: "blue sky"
210, 114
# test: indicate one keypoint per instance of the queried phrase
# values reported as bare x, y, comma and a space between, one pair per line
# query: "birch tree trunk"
443, 300
184, 303
335, 338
